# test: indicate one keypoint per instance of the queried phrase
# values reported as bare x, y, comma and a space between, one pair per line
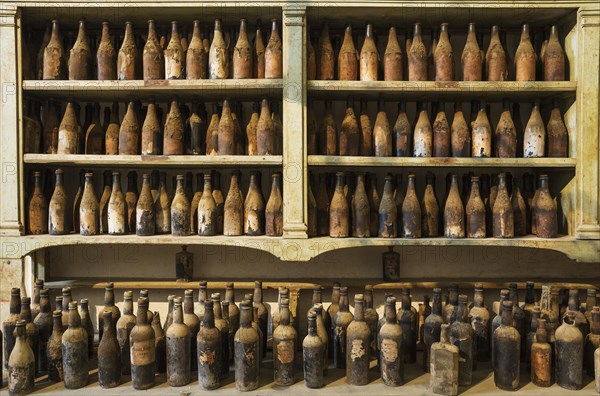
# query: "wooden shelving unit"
446, 162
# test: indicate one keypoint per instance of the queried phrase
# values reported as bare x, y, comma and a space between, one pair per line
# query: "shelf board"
432, 90
332, 160
297, 250
122, 90
96, 283
180, 161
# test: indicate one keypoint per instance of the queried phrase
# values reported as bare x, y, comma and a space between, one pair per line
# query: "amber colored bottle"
151, 132
311, 130
481, 134
68, 131
162, 207
103, 202
180, 211
89, 209
411, 211
366, 131
472, 57
475, 211
226, 134
233, 209
348, 58
80, 57
127, 58
218, 57
143, 349
558, 136
392, 58
430, 209
94, 134
525, 57
423, 134
54, 56
545, 211
325, 56
106, 56
402, 133
174, 56
534, 138
129, 132
265, 139
339, 211
21, 363
369, 57
212, 132
388, 216
495, 58
349, 133
553, 58
327, 135
274, 208
37, 208
242, 54
505, 139
254, 208
312, 209
460, 137
541, 357
173, 131
417, 57
519, 209
196, 66
503, 216
274, 53
443, 56
131, 197
111, 134
258, 49
109, 354
145, 214
382, 134
311, 57
360, 210
506, 351
322, 199
153, 63
454, 212
441, 132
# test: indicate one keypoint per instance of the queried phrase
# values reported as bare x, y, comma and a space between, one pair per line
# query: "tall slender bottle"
123, 329
503, 216
218, 58
357, 345
31, 330
402, 133
443, 56
349, 132
144, 212
86, 322
209, 349
389, 344
479, 317
482, 134
179, 340
109, 305
180, 211
441, 132
553, 58
392, 58
534, 135
545, 211
558, 136
75, 351
444, 365
106, 57
88, 210
475, 212
80, 56
129, 132
274, 53
111, 134
68, 132
258, 69
461, 335
454, 212
233, 209
162, 208
423, 134
411, 211
43, 321
285, 342
407, 318
54, 63
153, 62
369, 57
496, 61
37, 208
313, 349
472, 57
196, 66
348, 58
525, 57
226, 134
254, 208
174, 56
505, 138
388, 216
341, 321
242, 53
265, 139
519, 210
109, 354
382, 134
127, 58
173, 131
142, 349
54, 349
432, 328
541, 357
246, 345
222, 325
417, 57
274, 208
263, 314
506, 351
325, 56
339, 226
160, 342
460, 137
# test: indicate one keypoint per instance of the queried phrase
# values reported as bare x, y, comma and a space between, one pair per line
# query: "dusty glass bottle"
31, 330
462, 335
109, 354
348, 58
196, 56
265, 139
223, 326
402, 133
117, 208
553, 58
218, 58
142, 349
178, 341
68, 131
127, 58
327, 134
541, 357
423, 134
481, 134
569, 354
495, 58
313, 350
441, 131
392, 58
162, 208
207, 210
411, 211
86, 322
209, 350
341, 320
254, 208
202, 297
274, 53
106, 56
407, 318
349, 132
174, 56
80, 56
432, 328
506, 351
325, 56
109, 305
444, 365
390, 344
558, 136
357, 345
129, 132
54, 349
173, 131
43, 321
145, 214
37, 208
472, 57
54, 56
111, 134
242, 54
443, 57
233, 209
274, 208
75, 351
124, 326
89, 209
430, 209
503, 216
525, 57
460, 137
285, 341
417, 57
263, 313
388, 217
505, 138
534, 140
545, 211
454, 212
153, 61
369, 57
103, 202
246, 345
475, 212
339, 211
21, 363
479, 317
193, 323
180, 211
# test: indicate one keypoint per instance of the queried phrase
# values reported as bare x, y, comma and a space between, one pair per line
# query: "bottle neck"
541, 334
26, 311
109, 297
108, 324
142, 314
312, 325
208, 320
15, 301
258, 297
343, 303
188, 304
317, 297
284, 315
105, 33
507, 318
217, 308
57, 323
207, 186
81, 36
246, 316
335, 295
74, 318
478, 298
229, 295
127, 306
436, 307
359, 310
390, 311
44, 303
128, 32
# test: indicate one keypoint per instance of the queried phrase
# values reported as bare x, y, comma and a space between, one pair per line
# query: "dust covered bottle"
89, 210
129, 132
382, 134
313, 349
174, 56
274, 53
535, 134
495, 58
443, 56
75, 351
444, 365
142, 349
392, 58
68, 131
54, 56
349, 133
178, 339
54, 349
423, 134
525, 57
218, 58
173, 131
348, 58
339, 211
233, 209
460, 137
21, 364
254, 208
341, 320
558, 136
481, 134
111, 134
441, 132
569, 354
242, 54
553, 58
411, 211
325, 56
265, 133
503, 216
479, 317
417, 57
388, 216
461, 335
472, 57
226, 135
31, 332
274, 209
209, 350
162, 208
196, 66
106, 56
506, 351
402, 133
37, 208
246, 347
360, 210
117, 210
369, 57
407, 318
80, 56
432, 328
505, 139
127, 62
109, 354
145, 215
109, 305
541, 357
454, 212
285, 341
519, 210
389, 341
357, 345
475, 212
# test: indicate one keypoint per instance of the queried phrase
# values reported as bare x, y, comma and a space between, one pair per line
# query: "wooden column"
294, 121
10, 121
588, 142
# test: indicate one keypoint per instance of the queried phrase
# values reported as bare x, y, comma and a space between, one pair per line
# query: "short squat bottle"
75, 351
569, 354
444, 365
21, 363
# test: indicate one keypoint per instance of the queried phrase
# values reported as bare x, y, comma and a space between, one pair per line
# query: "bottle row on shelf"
479, 211
154, 211
554, 342
184, 131
422, 138
437, 64
181, 56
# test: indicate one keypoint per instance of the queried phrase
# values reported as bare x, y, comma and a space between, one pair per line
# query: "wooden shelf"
297, 250
214, 161
94, 283
164, 90
432, 90
332, 160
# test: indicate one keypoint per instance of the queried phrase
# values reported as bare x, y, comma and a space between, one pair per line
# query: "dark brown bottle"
209, 350
479, 317
207, 210
322, 206
89, 209
462, 335
109, 354
348, 58
519, 210
265, 132
263, 314
225, 132
411, 211
86, 322
80, 56
145, 214
247, 351
327, 134
592, 341
111, 134
274, 208
525, 57
193, 323
349, 132
68, 132
153, 62
505, 139
54, 63
472, 57
162, 208
402, 133
127, 62
109, 305
392, 58
43, 322
75, 351
66, 292
254, 208
545, 211
495, 59
21, 364
332, 310
454, 212
339, 213
94, 133
503, 216
54, 349
531, 325
313, 349
32, 128
569, 354
31, 331
222, 325
460, 137
50, 124
325, 56
441, 133
553, 58
390, 344
180, 211
129, 132
242, 54
423, 133
38, 208
103, 203
475, 212
123, 331
357, 345
173, 131
285, 340
388, 216
311, 58
274, 53
432, 328
417, 57
558, 136
150, 138
312, 209
369, 57
143, 349
106, 56
506, 351
360, 210
366, 131
382, 134
258, 68
233, 209
341, 320
541, 357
